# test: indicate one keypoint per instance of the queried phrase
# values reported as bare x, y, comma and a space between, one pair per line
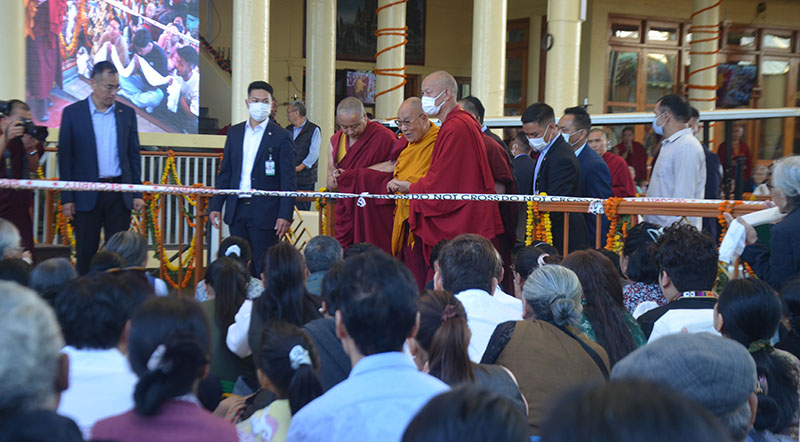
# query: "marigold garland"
68, 50
62, 224
613, 238
544, 228
321, 205
221, 62
153, 203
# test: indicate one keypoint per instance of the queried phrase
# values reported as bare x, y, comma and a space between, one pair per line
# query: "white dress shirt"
507, 299
680, 172
101, 385
252, 141
484, 314
236, 340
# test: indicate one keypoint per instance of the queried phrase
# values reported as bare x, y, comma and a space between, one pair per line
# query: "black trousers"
304, 205
260, 236
110, 214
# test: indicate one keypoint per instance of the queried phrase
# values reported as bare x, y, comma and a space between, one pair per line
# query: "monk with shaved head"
412, 164
359, 144
458, 165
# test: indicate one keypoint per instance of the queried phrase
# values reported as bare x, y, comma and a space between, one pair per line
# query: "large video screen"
152, 43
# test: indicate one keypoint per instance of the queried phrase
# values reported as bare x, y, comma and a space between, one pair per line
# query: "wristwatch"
33, 153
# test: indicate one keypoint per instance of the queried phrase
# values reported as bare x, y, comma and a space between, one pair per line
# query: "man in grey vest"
306, 142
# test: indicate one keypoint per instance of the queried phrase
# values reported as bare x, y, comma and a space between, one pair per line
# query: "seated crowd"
333, 345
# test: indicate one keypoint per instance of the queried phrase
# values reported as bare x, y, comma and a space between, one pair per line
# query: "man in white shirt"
466, 267
680, 171
94, 314
189, 79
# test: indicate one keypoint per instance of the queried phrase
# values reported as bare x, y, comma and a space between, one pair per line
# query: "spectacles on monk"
404, 123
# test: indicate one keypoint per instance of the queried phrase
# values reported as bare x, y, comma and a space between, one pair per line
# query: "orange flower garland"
68, 50
725, 207
221, 62
543, 230
613, 239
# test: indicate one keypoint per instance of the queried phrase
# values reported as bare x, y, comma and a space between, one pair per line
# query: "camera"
38, 132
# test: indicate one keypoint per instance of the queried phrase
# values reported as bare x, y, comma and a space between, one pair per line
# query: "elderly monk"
503, 175
412, 164
359, 144
458, 165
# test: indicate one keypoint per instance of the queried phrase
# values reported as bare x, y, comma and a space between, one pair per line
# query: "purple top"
176, 421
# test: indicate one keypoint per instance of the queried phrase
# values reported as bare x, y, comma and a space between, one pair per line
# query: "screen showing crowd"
152, 43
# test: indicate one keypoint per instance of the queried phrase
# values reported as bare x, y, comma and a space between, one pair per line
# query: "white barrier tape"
83, 186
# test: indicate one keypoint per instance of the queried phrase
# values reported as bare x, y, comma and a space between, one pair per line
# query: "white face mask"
659, 130
429, 105
538, 144
259, 111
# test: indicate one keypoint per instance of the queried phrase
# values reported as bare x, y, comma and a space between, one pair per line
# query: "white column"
250, 58
12, 51
489, 54
703, 80
320, 73
563, 66
392, 62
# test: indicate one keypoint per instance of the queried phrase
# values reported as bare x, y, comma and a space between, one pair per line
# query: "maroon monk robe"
373, 222
621, 181
42, 55
459, 165
502, 172
411, 255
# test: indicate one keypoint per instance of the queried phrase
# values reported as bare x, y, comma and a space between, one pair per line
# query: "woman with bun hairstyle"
169, 345
288, 366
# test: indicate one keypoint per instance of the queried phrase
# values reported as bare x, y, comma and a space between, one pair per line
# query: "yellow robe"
412, 164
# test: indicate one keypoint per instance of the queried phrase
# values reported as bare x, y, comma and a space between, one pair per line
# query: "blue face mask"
659, 130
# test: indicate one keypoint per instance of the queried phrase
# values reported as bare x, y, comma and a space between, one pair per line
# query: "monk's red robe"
458, 165
502, 172
373, 222
621, 180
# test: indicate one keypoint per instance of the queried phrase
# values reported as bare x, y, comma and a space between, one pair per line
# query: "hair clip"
299, 356
655, 233
233, 250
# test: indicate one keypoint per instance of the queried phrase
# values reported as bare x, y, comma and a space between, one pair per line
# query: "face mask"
259, 111
568, 136
429, 105
538, 144
659, 130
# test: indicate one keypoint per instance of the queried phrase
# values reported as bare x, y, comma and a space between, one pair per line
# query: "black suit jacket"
595, 183
276, 141
523, 173
77, 152
560, 175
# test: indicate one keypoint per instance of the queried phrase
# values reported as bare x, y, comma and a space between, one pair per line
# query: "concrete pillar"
390, 64
702, 79
250, 58
12, 51
563, 61
489, 54
320, 74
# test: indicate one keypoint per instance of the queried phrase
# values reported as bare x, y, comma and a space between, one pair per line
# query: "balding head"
412, 120
351, 118
441, 86
597, 141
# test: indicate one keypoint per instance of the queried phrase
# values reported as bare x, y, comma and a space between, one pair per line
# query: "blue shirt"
375, 403
313, 149
539, 162
105, 137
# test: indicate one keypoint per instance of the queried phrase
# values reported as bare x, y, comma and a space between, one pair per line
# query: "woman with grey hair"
545, 351
132, 247
781, 261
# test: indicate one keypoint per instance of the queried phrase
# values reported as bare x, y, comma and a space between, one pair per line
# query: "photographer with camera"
21, 146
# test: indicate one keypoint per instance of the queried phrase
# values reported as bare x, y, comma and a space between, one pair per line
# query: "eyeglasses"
111, 87
402, 123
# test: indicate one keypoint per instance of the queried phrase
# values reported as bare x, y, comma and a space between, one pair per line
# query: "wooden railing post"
179, 210
566, 233
49, 214
199, 237
598, 229
330, 217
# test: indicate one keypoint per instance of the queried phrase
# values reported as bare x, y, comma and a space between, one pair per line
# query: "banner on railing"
84, 186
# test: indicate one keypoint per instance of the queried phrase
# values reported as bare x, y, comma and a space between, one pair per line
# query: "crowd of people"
421, 319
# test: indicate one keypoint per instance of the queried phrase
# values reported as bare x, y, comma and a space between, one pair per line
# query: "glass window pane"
513, 80
623, 67
621, 109
517, 35
742, 38
662, 33
660, 75
775, 75
777, 42
623, 30
735, 81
